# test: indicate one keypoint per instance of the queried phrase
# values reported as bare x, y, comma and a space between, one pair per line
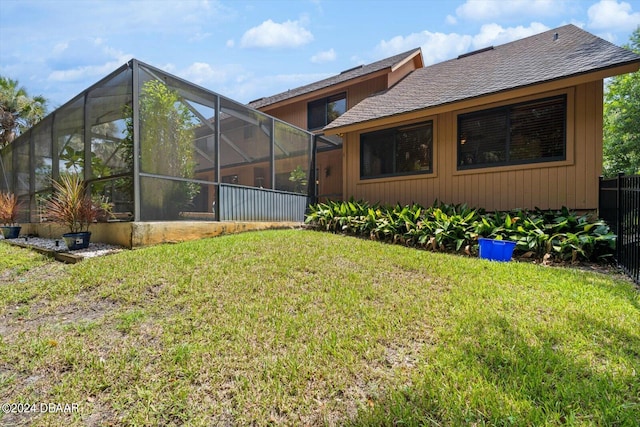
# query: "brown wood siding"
296, 112
362, 90
572, 183
329, 179
329, 186
400, 73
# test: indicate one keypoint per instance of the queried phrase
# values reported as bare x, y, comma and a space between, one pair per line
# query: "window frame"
324, 102
394, 131
507, 110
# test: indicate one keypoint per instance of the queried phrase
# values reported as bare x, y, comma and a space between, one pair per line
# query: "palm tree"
18, 110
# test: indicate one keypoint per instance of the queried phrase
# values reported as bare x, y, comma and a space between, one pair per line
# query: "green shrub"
561, 235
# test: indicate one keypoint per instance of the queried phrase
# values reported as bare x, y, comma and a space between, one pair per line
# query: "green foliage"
18, 110
621, 139
74, 160
563, 234
166, 145
125, 184
299, 177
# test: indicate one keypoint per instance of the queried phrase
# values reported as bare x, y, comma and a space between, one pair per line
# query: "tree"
621, 145
18, 110
166, 145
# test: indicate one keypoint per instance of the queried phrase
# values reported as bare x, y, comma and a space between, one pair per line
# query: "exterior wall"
330, 186
403, 70
329, 178
362, 90
329, 164
572, 183
248, 174
296, 111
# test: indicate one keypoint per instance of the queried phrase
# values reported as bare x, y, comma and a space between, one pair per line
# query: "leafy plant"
18, 110
299, 178
166, 145
103, 207
621, 127
9, 208
561, 234
70, 204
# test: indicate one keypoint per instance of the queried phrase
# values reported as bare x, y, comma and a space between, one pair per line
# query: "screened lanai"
155, 147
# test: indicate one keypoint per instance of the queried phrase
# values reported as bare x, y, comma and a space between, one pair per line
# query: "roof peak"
484, 49
560, 53
351, 73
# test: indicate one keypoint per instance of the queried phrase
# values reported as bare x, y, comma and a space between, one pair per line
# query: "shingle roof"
532, 60
352, 73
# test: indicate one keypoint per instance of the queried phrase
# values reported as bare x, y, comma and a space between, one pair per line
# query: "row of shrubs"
558, 235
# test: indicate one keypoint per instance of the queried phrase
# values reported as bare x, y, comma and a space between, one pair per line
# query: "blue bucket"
496, 250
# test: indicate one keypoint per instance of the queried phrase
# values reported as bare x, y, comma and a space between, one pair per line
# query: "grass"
14, 261
299, 327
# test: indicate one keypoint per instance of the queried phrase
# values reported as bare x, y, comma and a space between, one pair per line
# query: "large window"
530, 132
325, 110
398, 151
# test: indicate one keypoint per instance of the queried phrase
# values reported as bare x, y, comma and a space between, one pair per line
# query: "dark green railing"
619, 205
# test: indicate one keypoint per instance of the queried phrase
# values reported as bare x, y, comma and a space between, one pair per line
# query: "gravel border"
59, 246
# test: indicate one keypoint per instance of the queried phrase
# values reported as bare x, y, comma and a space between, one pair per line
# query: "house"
315, 105
512, 126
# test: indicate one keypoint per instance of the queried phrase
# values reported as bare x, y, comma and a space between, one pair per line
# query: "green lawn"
300, 327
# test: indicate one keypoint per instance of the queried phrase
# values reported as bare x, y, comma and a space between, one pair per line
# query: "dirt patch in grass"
299, 328
40, 315
50, 270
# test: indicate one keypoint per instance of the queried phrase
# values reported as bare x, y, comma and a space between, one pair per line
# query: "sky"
246, 50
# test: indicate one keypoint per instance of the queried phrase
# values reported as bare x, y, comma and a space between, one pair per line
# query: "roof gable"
390, 63
556, 54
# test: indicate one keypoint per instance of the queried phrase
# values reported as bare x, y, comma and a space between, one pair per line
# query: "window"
399, 151
324, 111
530, 132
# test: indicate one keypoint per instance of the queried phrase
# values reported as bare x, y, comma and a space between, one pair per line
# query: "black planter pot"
77, 241
10, 231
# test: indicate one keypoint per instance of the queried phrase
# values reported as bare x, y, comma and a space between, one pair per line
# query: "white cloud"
577, 23
485, 10
608, 36
60, 47
272, 34
204, 74
230, 43
451, 20
326, 56
222, 79
611, 15
255, 86
199, 36
90, 58
81, 73
494, 34
438, 47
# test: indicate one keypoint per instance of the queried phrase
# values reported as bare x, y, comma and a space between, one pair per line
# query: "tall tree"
18, 110
621, 145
